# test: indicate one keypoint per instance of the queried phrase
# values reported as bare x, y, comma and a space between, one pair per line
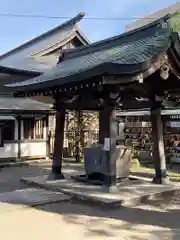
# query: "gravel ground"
158, 219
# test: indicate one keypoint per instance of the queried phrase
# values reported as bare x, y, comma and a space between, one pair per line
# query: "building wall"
23, 148
29, 149
8, 150
33, 148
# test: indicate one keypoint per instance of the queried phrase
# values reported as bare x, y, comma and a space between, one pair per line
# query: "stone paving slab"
29, 197
124, 194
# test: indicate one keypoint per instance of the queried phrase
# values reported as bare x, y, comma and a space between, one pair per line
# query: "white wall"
28, 149
31, 149
9, 150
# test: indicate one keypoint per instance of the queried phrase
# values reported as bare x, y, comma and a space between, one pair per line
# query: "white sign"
175, 124
106, 144
66, 143
145, 124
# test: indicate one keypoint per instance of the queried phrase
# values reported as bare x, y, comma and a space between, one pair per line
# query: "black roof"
128, 53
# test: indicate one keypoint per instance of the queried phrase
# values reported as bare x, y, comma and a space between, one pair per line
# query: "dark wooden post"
107, 133
161, 176
58, 145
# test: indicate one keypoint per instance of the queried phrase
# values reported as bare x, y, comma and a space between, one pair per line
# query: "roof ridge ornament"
61, 56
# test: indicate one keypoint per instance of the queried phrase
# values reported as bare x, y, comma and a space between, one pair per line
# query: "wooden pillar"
47, 136
16, 129
22, 130
161, 176
58, 145
19, 137
107, 136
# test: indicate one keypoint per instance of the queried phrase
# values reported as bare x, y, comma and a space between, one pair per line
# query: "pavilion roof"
125, 54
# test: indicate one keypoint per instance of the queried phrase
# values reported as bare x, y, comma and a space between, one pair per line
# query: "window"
8, 130
33, 129
39, 124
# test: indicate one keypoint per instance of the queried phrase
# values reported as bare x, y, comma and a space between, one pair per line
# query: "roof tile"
131, 48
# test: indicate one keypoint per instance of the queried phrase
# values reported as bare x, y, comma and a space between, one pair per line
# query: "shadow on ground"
108, 222
154, 217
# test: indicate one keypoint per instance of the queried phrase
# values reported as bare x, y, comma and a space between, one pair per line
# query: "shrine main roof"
126, 54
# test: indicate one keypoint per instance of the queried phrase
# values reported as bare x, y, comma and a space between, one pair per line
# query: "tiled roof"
26, 55
27, 104
49, 37
135, 49
34, 64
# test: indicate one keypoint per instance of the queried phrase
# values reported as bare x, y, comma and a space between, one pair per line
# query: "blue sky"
15, 31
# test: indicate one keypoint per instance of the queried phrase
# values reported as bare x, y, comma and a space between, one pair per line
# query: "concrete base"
54, 176
161, 180
124, 193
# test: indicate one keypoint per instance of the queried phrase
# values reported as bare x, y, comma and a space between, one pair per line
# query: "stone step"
128, 193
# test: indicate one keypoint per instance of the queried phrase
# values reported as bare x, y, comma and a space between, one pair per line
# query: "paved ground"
9, 177
158, 219
29, 197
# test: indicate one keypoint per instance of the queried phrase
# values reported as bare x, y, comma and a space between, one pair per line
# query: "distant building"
152, 17
24, 123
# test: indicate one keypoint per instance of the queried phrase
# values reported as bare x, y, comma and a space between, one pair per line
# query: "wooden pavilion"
142, 65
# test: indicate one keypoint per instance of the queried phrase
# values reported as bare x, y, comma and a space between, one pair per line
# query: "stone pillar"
161, 176
107, 136
58, 145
